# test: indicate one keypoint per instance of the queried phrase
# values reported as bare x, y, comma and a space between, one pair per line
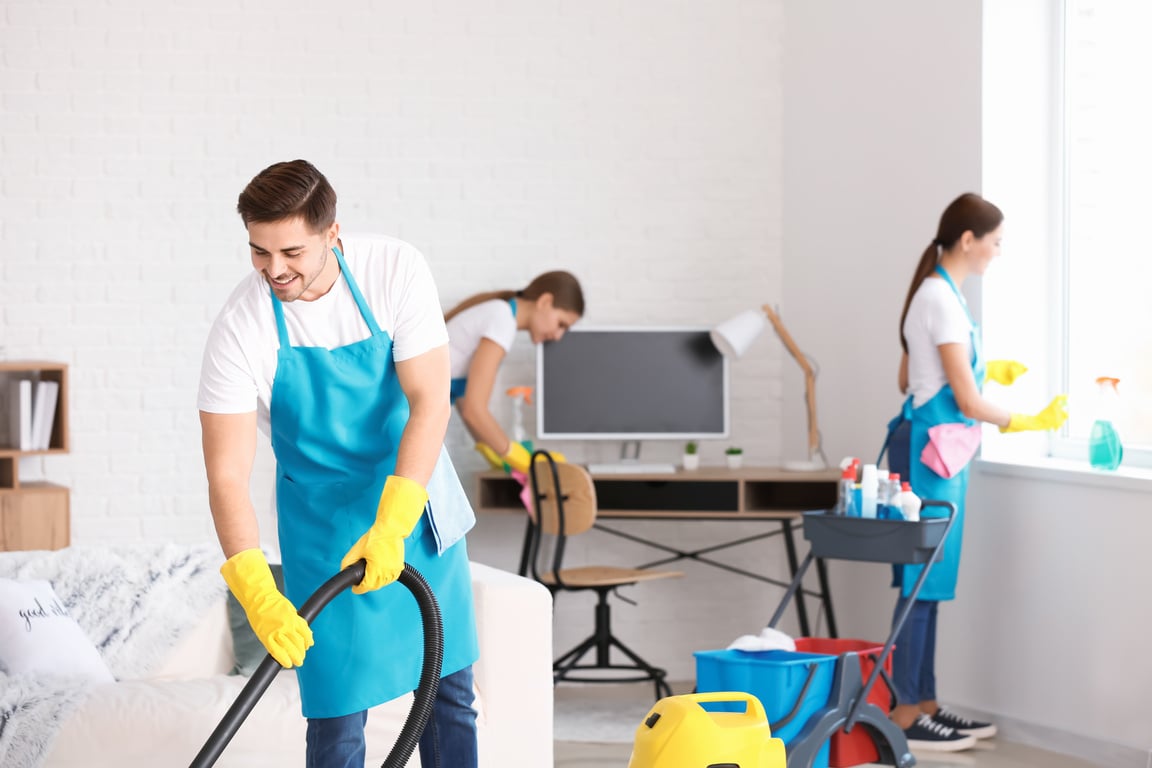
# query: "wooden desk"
708, 494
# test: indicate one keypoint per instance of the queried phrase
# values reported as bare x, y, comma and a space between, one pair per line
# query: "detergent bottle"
892, 509
909, 502
868, 489
1104, 448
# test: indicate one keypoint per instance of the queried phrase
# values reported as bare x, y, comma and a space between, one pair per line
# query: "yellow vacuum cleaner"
679, 733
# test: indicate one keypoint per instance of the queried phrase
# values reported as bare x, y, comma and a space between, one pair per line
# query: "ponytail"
479, 298
564, 287
926, 266
967, 213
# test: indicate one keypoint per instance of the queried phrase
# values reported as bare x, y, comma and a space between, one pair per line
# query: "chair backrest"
563, 498
563, 504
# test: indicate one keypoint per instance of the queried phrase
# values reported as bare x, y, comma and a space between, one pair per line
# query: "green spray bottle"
1104, 448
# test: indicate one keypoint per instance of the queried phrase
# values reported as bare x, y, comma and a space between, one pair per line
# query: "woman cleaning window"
943, 371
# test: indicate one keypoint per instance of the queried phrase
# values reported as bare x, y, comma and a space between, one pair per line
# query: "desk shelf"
747, 493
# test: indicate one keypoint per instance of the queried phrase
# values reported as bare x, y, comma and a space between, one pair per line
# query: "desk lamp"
733, 337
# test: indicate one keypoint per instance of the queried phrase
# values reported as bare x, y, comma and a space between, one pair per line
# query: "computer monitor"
631, 384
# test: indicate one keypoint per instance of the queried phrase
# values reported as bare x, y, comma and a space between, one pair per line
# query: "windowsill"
1050, 469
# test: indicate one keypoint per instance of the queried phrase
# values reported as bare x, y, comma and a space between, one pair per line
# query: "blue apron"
459, 385
336, 420
941, 409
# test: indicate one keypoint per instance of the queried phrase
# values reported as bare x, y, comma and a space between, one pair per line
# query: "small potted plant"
735, 457
691, 455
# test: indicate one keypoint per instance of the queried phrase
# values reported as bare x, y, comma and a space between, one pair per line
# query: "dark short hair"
288, 190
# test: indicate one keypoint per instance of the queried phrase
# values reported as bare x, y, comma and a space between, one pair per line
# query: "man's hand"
282, 631
401, 504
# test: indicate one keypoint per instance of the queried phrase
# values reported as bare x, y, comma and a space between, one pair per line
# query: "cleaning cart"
847, 705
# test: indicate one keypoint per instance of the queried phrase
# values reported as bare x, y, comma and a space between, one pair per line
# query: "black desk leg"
790, 546
826, 596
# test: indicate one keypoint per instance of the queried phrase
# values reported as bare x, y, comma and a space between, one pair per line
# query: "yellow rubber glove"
281, 630
401, 503
1052, 417
491, 457
517, 457
1004, 371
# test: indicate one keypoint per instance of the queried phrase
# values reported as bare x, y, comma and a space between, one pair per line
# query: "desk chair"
564, 505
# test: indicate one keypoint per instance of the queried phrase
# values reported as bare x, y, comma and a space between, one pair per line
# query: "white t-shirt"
487, 320
936, 316
240, 354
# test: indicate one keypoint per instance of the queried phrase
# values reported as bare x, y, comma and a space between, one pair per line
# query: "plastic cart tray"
872, 539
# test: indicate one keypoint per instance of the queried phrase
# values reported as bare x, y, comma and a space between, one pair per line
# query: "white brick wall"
637, 143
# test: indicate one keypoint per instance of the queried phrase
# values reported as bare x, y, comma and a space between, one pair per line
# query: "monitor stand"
630, 463
804, 466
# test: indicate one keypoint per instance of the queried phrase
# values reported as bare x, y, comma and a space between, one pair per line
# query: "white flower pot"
691, 461
735, 460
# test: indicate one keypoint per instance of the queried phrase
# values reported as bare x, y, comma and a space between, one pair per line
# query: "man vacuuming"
335, 347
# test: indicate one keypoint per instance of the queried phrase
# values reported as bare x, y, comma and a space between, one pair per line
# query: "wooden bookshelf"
33, 515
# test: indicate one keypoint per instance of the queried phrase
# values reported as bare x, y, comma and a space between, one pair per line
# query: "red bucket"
857, 747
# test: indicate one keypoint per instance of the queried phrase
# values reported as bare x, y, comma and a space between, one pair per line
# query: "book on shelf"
44, 414
20, 414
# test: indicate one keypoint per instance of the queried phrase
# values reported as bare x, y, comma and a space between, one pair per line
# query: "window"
1107, 202
1068, 157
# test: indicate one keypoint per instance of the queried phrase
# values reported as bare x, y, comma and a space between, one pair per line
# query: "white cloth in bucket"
769, 639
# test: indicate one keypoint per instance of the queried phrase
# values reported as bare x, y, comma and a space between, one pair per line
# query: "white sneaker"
928, 735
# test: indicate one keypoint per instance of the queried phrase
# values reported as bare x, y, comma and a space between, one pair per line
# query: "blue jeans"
449, 739
336, 742
914, 658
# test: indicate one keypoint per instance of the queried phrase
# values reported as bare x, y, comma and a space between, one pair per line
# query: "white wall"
798, 153
881, 131
610, 138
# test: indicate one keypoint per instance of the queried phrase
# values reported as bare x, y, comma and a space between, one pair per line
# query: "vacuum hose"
423, 697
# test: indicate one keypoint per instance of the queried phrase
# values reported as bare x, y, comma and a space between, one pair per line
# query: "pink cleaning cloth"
525, 490
950, 447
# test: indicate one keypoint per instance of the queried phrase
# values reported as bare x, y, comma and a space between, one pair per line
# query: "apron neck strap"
948, 279
365, 312
978, 369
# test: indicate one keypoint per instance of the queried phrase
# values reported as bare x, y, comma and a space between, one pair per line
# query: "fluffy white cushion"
37, 636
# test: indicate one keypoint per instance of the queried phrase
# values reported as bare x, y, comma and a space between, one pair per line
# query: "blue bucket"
792, 686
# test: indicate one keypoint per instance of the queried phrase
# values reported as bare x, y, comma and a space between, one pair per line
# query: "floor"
987, 754
991, 753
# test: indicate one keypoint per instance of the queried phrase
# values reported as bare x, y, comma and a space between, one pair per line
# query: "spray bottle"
1104, 448
846, 499
521, 396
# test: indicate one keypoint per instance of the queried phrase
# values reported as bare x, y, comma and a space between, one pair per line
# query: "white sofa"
166, 718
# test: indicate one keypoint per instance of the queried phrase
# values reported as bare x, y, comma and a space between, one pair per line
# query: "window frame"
1026, 171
